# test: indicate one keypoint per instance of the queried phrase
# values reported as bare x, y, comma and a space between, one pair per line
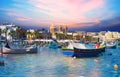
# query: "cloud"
74, 25
68, 12
17, 15
97, 21
23, 19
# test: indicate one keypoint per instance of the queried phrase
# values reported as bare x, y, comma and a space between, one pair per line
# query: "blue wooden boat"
54, 45
68, 53
69, 47
79, 52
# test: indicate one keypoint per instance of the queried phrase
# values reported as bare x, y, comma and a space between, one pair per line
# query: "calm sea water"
53, 63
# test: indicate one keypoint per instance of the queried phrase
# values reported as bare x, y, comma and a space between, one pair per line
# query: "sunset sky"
74, 13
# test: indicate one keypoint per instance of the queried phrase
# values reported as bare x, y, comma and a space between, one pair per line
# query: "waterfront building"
102, 32
95, 38
92, 36
101, 35
69, 35
30, 34
115, 35
62, 29
76, 36
79, 35
111, 36
53, 30
8, 31
91, 33
61, 33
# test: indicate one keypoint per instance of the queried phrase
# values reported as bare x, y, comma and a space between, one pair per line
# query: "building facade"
8, 31
111, 36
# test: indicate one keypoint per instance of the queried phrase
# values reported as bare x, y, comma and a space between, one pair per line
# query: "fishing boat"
87, 52
54, 45
69, 50
111, 45
12, 48
69, 47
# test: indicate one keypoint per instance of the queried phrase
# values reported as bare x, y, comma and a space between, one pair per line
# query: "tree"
21, 33
5, 32
69, 37
38, 34
0, 32
12, 33
61, 36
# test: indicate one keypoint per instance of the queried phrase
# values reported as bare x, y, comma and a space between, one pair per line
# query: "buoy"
74, 57
96, 60
116, 67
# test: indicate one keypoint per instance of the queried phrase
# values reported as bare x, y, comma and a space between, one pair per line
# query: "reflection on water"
52, 63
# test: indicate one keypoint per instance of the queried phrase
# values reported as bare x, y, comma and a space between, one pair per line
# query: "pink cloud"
97, 21
73, 25
17, 15
23, 19
67, 10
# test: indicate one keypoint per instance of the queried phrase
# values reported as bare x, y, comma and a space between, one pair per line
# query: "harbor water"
53, 63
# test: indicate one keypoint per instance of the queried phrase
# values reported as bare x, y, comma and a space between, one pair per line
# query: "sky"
73, 13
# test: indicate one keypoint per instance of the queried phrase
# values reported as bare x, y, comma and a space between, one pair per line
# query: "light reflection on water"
52, 63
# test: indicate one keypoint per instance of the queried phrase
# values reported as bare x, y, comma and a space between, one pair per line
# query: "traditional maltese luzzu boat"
80, 50
11, 48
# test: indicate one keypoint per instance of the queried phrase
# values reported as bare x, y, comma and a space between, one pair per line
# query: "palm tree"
37, 34
69, 37
61, 36
12, 33
0, 31
20, 33
5, 32
33, 35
